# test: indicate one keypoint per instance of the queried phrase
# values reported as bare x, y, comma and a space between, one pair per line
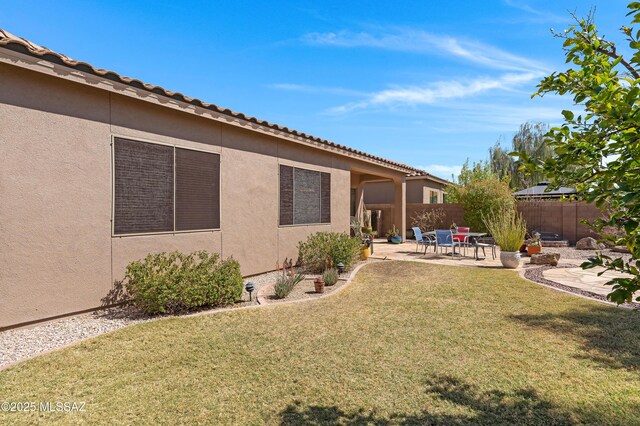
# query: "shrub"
332, 247
285, 284
330, 276
428, 220
176, 282
507, 227
479, 197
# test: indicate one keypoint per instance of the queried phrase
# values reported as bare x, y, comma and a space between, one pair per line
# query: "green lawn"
406, 343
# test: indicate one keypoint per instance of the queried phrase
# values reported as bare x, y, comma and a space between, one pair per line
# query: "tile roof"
21, 45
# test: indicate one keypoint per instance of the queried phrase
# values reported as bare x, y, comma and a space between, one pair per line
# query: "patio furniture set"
460, 237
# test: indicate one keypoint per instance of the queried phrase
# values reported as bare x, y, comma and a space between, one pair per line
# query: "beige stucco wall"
418, 192
58, 255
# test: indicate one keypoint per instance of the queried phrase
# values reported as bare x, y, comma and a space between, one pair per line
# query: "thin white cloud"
422, 42
441, 170
541, 14
437, 92
291, 87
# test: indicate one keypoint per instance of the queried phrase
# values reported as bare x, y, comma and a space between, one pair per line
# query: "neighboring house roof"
539, 191
21, 45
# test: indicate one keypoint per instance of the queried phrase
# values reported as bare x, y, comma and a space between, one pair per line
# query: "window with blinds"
160, 188
305, 196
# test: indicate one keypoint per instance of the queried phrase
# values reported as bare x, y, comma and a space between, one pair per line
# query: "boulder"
545, 259
620, 249
587, 243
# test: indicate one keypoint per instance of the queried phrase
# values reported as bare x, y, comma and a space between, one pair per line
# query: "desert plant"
286, 282
393, 232
366, 220
507, 227
323, 247
428, 220
356, 228
176, 282
330, 276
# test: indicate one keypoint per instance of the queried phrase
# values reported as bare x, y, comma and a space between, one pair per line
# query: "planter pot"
366, 252
510, 259
531, 250
318, 283
396, 239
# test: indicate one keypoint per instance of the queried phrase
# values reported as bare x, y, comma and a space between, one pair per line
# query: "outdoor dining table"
472, 236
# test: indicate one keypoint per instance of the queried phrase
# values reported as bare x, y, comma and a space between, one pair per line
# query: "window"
434, 197
160, 188
305, 196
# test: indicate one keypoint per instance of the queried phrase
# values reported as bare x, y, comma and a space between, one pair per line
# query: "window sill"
304, 224
145, 234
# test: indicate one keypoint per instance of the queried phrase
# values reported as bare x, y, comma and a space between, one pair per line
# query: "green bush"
285, 284
176, 282
330, 276
480, 192
328, 247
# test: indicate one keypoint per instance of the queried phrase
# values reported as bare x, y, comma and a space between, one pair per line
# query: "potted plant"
366, 248
534, 245
318, 283
366, 221
393, 236
508, 230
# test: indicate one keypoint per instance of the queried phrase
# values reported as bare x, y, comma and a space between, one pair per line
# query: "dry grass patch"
406, 343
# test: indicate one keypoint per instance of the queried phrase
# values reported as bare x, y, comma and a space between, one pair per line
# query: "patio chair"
423, 240
444, 238
484, 242
462, 239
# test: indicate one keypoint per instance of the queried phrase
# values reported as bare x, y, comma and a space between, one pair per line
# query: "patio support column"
359, 201
400, 206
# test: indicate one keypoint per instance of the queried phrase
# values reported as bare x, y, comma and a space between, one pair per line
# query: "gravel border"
20, 344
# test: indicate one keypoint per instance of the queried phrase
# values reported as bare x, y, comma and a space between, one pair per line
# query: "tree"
531, 138
598, 150
480, 192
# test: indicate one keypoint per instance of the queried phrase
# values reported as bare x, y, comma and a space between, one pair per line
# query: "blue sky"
427, 83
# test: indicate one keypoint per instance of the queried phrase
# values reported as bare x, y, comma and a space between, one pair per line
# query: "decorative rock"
545, 259
587, 243
620, 249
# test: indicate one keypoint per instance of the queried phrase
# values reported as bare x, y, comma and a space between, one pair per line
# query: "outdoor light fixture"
340, 267
249, 287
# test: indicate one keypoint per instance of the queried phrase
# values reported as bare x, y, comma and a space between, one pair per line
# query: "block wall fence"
562, 218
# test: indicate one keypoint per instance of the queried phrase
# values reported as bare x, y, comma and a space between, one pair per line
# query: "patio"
407, 251
567, 276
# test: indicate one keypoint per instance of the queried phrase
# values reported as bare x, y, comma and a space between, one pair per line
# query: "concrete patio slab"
583, 279
407, 251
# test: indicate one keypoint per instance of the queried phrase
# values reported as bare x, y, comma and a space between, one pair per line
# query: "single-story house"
541, 191
98, 170
421, 189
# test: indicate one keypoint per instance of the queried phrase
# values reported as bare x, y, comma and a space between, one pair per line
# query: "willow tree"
531, 138
598, 150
